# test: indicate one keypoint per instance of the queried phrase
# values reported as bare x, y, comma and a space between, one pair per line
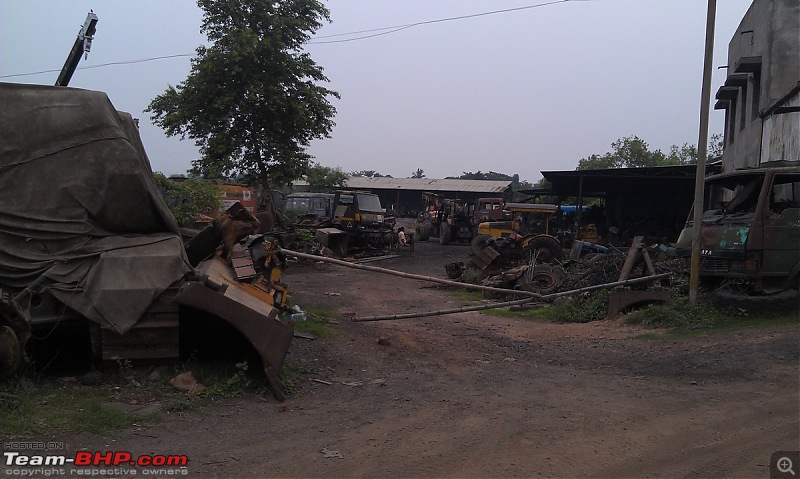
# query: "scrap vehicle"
88, 239
526, 235
357, 224
309, 208
450, 220
750, 235
488, 209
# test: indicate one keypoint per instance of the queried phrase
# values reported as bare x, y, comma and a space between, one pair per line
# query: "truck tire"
545, 249
444, 235
10, 353
478, 243
542, 279
423, 232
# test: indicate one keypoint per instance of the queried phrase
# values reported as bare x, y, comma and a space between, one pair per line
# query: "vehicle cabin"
310, 205
524, 218
751, 229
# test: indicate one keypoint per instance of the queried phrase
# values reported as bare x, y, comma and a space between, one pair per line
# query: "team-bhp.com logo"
88, 459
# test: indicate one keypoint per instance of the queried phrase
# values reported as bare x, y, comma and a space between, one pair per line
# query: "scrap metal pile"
593, 271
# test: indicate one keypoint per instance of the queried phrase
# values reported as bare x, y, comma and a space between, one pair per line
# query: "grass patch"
577, 309
677, 318
318, 322
467, 295
51, 407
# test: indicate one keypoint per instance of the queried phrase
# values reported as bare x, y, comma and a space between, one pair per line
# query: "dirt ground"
471, 395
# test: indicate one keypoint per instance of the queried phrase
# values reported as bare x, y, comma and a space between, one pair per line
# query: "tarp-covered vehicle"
85, 234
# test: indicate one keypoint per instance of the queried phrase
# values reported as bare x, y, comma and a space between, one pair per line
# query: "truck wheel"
444, 235
544, 249
542, 279
423, 232
10, 353
478, 243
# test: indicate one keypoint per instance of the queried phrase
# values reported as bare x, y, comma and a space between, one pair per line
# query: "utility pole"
702, 153
81, 46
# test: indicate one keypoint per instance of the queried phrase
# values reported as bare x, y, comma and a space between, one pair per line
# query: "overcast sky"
524, 91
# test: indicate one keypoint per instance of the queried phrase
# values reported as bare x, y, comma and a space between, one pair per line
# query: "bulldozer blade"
333, 239
240, 305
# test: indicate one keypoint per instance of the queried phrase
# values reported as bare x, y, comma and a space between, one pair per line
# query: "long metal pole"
420, 277
702, 153
482, 307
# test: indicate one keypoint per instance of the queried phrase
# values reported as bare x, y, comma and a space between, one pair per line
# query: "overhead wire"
398, 28
380, 32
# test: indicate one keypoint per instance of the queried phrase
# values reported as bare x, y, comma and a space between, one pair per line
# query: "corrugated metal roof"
424, 184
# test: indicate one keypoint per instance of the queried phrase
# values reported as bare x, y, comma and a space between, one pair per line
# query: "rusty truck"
750, 236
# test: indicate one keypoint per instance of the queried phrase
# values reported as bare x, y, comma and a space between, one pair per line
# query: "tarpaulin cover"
79, 205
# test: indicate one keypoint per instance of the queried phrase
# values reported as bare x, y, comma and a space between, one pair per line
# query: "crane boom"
82, 45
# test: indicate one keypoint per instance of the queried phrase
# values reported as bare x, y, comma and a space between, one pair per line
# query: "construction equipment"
81, 47
88, 239
450, 220
357, 224
526, 236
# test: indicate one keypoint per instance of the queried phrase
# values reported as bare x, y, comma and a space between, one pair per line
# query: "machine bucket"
333, 239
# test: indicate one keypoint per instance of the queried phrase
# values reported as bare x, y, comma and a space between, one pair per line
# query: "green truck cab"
750, 237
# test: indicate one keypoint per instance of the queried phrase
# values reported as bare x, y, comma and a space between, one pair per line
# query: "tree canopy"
633, 152
252, 101
189, 198
323, 179
368, 174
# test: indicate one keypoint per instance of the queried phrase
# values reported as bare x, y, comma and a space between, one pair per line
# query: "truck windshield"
369, 203
732, 198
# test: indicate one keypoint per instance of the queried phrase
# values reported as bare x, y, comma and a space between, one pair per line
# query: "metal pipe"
511, 303
411, 275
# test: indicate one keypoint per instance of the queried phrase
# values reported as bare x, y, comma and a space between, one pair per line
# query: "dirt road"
471, 395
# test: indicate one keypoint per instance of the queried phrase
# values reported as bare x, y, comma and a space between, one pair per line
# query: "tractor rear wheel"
444, 234
543, 249
478, 243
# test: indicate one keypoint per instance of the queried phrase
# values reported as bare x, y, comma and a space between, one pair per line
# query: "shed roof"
613, 179
424, 184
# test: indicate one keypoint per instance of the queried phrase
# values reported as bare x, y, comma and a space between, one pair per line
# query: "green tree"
323, 179
492, 176
628, 152
682, 155
188, 198
633, 152
366, 173
420, 173
252, 101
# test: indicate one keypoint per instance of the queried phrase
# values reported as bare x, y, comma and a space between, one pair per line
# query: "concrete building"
761, 95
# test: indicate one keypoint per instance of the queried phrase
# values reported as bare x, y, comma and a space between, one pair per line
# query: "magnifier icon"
785, 465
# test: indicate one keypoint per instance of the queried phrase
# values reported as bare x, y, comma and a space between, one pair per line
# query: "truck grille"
714, 265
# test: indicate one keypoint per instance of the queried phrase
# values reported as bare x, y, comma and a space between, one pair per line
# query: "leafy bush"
678, 313
581, 309
189, 198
